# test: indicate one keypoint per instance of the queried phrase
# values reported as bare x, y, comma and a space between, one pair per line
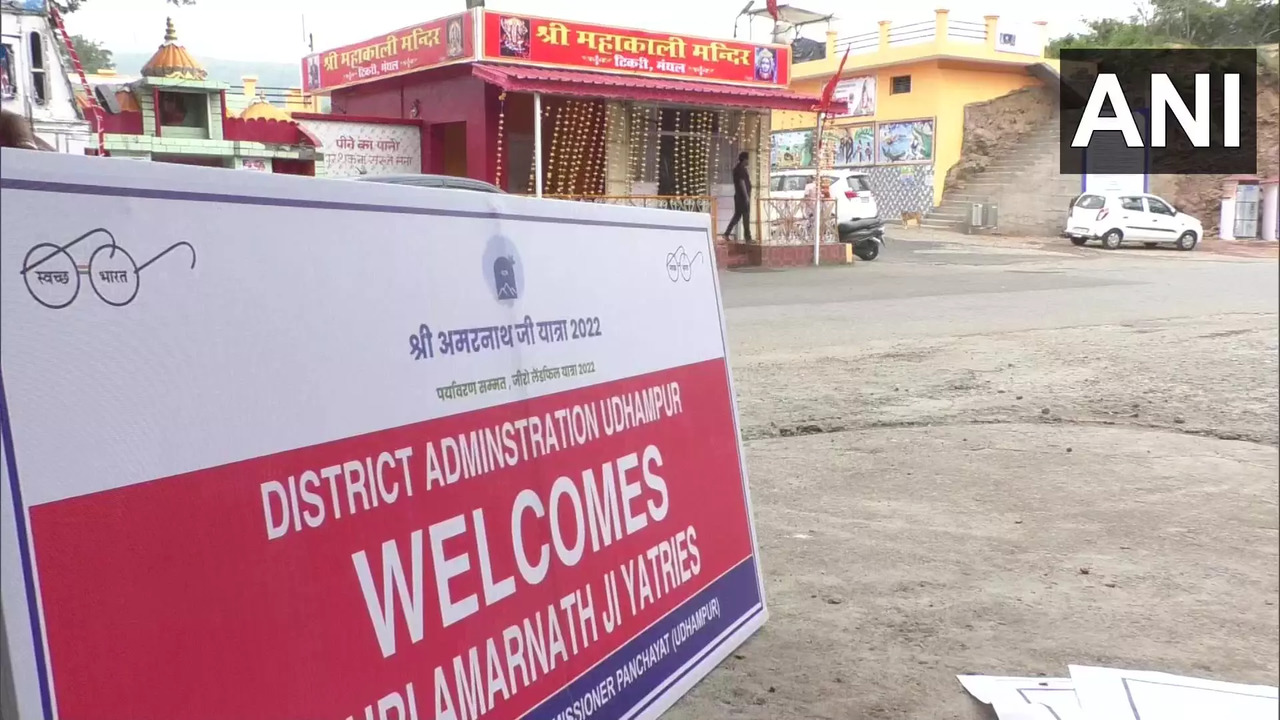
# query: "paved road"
927, 287
986, 456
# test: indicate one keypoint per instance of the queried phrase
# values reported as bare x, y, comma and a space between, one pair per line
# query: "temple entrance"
449, 140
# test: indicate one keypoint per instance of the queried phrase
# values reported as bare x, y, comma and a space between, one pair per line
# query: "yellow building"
907, 85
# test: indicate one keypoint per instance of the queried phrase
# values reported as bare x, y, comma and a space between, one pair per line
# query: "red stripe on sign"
317, 582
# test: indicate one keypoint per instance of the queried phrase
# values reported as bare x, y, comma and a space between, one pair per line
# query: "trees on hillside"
1201, 23
93, 57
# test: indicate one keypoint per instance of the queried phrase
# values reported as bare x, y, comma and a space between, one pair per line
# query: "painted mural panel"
791, 149
361, 148
860, 94
854, 145
910, 141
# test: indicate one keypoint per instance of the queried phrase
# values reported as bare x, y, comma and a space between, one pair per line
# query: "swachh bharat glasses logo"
54, 278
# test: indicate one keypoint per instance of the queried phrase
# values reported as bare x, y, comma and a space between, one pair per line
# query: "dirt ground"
973, 459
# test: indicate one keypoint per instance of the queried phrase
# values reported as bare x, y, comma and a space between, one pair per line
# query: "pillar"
1270, 210
1044, 35
832, 36
884, 34
762, 138
992, 36
941, 23
537, 144
1227, 216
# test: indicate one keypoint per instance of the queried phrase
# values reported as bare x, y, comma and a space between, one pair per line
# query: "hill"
270, 75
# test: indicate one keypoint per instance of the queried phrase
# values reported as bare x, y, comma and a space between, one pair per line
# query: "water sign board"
302, 448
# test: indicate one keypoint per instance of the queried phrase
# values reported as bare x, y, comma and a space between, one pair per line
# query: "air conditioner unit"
975, 215
990, 215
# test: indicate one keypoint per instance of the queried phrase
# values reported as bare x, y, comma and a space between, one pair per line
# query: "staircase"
1031, 195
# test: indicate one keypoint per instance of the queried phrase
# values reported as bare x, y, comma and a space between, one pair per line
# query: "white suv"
851, 190
1115, 218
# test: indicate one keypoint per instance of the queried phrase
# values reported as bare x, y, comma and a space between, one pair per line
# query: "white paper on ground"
1025, 698
1110, 694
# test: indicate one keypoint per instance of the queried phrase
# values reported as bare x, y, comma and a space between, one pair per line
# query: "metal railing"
867, 42
684, 203
775, 221
967, 31
790, 222
913, 33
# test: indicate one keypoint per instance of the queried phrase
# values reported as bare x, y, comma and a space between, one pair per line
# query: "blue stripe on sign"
738, 596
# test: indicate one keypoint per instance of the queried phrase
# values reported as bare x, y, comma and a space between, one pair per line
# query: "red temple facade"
571, 110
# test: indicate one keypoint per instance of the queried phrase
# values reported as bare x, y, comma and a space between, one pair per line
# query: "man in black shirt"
741, 199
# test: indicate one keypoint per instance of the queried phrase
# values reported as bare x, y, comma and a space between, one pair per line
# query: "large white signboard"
361, 451
366, 148
860, 94
1022, 38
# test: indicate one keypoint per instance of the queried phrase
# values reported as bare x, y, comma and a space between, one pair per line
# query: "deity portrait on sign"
313, 72
514, 38
454, 47
766, 65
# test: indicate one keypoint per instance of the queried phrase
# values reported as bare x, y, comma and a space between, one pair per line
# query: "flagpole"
817, 194
823, 108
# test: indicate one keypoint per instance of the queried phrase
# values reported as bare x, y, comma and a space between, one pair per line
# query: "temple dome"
260, 109
171, 60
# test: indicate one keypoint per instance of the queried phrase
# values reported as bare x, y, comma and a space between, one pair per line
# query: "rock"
773, 689
1179, 420
1043, 411
1085, 571
834, 600
1068, 449
1017, 397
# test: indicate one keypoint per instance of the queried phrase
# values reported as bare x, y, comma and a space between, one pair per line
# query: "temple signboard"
528, 40
431, 44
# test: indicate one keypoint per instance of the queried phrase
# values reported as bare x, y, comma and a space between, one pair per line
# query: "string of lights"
502, 117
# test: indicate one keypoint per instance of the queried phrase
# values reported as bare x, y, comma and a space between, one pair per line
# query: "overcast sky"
272, 30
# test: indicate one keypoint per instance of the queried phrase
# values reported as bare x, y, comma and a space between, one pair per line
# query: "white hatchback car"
851, 190
1115, 218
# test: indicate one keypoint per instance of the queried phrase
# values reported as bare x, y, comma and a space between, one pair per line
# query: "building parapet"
988, 40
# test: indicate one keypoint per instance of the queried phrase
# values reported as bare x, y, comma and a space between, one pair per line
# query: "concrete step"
1022, 159
1022, 163
954, 217
963, 208
978, 187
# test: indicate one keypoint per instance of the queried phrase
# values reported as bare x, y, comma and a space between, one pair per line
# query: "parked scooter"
866, 236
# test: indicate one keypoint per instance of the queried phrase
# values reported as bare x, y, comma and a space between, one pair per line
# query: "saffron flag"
829, 92
773, 9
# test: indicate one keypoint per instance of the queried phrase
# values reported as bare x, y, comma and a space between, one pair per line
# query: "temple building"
571, 110
174, 113
37, 77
